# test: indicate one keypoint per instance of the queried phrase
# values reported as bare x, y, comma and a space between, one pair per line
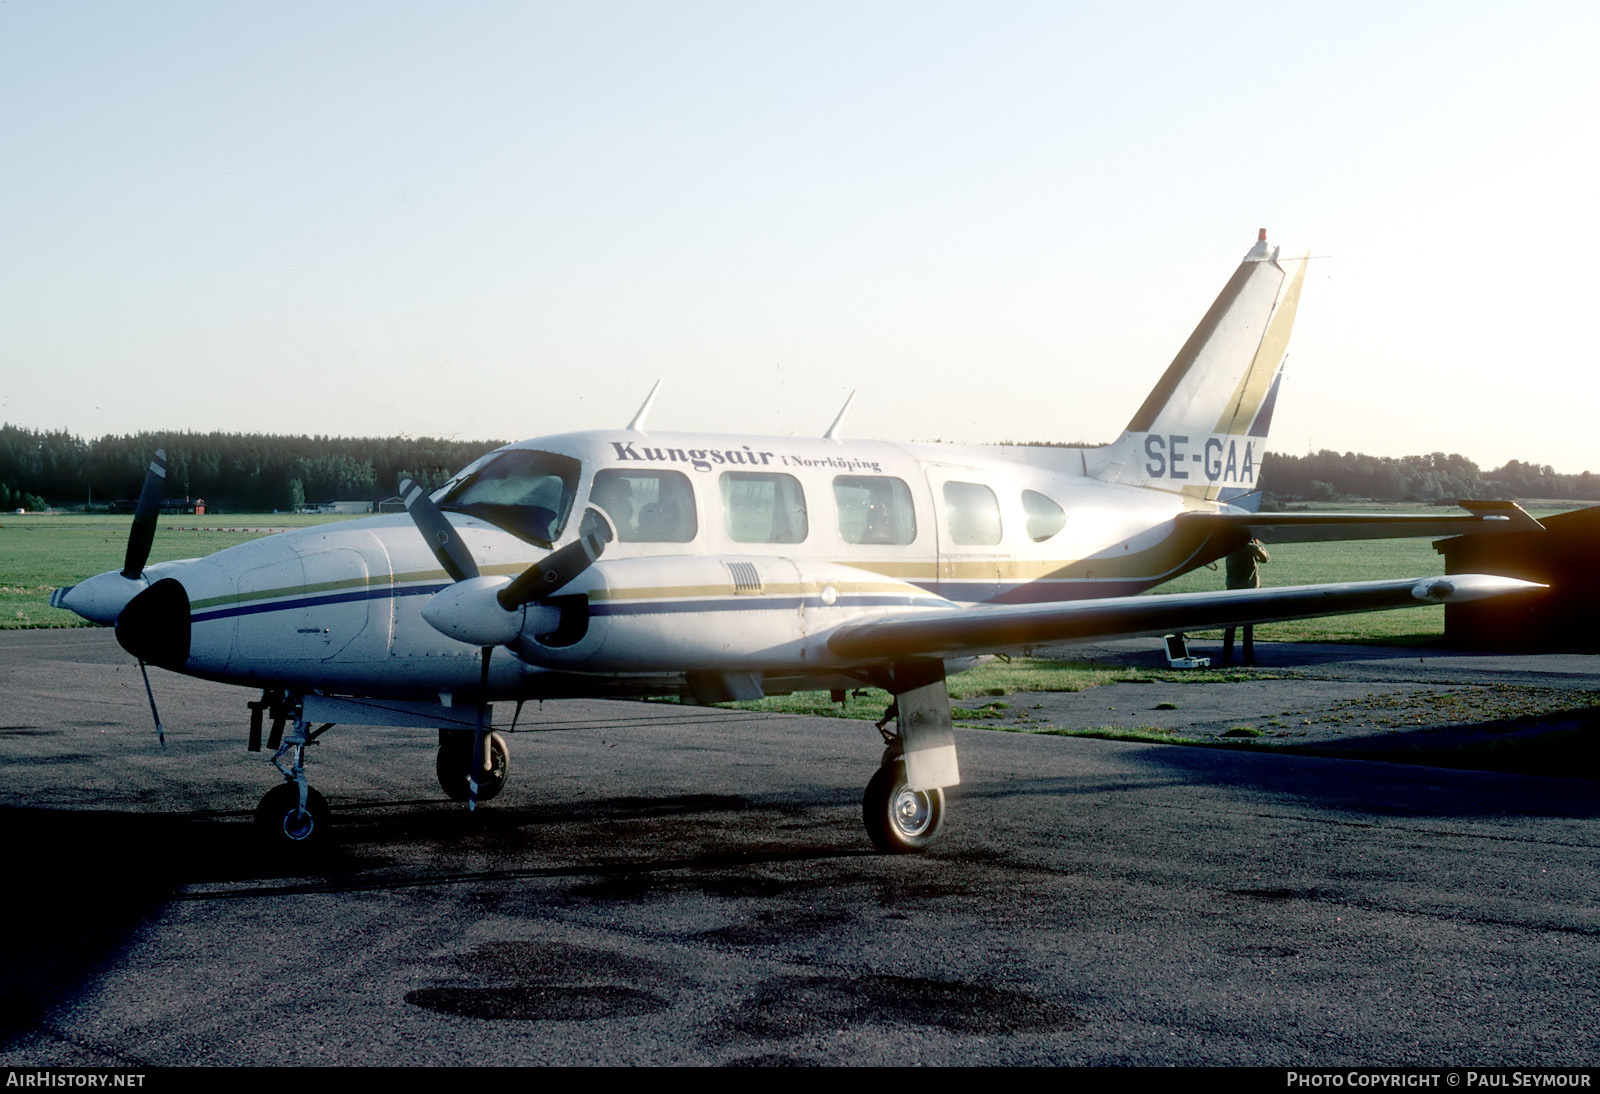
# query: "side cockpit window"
528, 493
647, 506
763, 507
1045, 517
874, 509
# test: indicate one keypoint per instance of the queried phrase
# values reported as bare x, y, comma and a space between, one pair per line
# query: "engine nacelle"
749, 612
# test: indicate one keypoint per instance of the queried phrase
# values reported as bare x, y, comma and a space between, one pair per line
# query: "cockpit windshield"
528, 493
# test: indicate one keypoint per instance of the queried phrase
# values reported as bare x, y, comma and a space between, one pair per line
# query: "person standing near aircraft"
1244, 572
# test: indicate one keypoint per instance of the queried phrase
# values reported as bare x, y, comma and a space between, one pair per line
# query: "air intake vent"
746, 581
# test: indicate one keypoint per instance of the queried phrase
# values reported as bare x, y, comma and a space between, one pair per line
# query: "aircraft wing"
994, 628
1483, 517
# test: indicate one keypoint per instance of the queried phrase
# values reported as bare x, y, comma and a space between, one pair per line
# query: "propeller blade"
553, 572
143, 533
442, 538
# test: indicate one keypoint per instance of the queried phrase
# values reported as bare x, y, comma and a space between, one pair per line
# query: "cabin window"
528, 493
971, 514
763, 507
1045, 517
647, 506
874, 509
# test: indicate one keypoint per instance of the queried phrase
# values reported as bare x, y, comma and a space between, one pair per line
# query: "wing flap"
991, 628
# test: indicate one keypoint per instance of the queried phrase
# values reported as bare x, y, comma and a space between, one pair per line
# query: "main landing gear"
455, 761
903, 807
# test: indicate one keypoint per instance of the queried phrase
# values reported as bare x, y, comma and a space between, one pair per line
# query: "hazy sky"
998, 220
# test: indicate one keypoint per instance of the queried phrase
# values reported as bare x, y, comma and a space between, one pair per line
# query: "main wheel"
900, 820
283, 826
455, 753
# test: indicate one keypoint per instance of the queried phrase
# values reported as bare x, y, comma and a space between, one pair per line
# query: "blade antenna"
161, 736
637, 425
833, 430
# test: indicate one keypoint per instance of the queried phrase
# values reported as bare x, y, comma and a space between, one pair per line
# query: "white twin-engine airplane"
629, 563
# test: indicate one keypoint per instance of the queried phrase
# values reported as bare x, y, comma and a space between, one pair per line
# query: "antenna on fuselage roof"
833, 430
637, 425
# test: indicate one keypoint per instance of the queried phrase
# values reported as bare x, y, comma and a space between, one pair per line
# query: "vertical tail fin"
1202, 431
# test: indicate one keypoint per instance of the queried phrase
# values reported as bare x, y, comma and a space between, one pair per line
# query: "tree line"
243, 472
255, 472
1328, 475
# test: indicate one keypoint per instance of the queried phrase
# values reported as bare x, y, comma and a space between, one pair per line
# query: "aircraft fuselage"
729, 550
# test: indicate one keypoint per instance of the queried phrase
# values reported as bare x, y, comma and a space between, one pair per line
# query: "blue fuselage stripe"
647, 607
301, 603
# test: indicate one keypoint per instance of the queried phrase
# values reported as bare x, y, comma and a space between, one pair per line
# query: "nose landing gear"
292, 816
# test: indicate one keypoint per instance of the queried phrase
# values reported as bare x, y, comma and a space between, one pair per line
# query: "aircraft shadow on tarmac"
1372, 786
87, 882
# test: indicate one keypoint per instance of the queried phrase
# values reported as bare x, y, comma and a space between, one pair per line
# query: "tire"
455, 751
280, 823
900, 820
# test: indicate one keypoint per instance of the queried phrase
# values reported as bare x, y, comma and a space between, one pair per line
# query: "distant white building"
342, 507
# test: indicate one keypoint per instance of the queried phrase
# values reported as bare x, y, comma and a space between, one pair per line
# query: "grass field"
1356, 560
41, 551
1313, 563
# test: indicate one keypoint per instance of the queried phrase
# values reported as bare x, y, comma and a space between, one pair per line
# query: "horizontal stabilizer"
1483, 517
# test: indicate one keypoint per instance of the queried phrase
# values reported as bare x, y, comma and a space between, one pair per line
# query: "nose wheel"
900, 820
285, 825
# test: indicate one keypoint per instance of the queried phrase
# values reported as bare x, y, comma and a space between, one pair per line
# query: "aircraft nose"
154, 627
